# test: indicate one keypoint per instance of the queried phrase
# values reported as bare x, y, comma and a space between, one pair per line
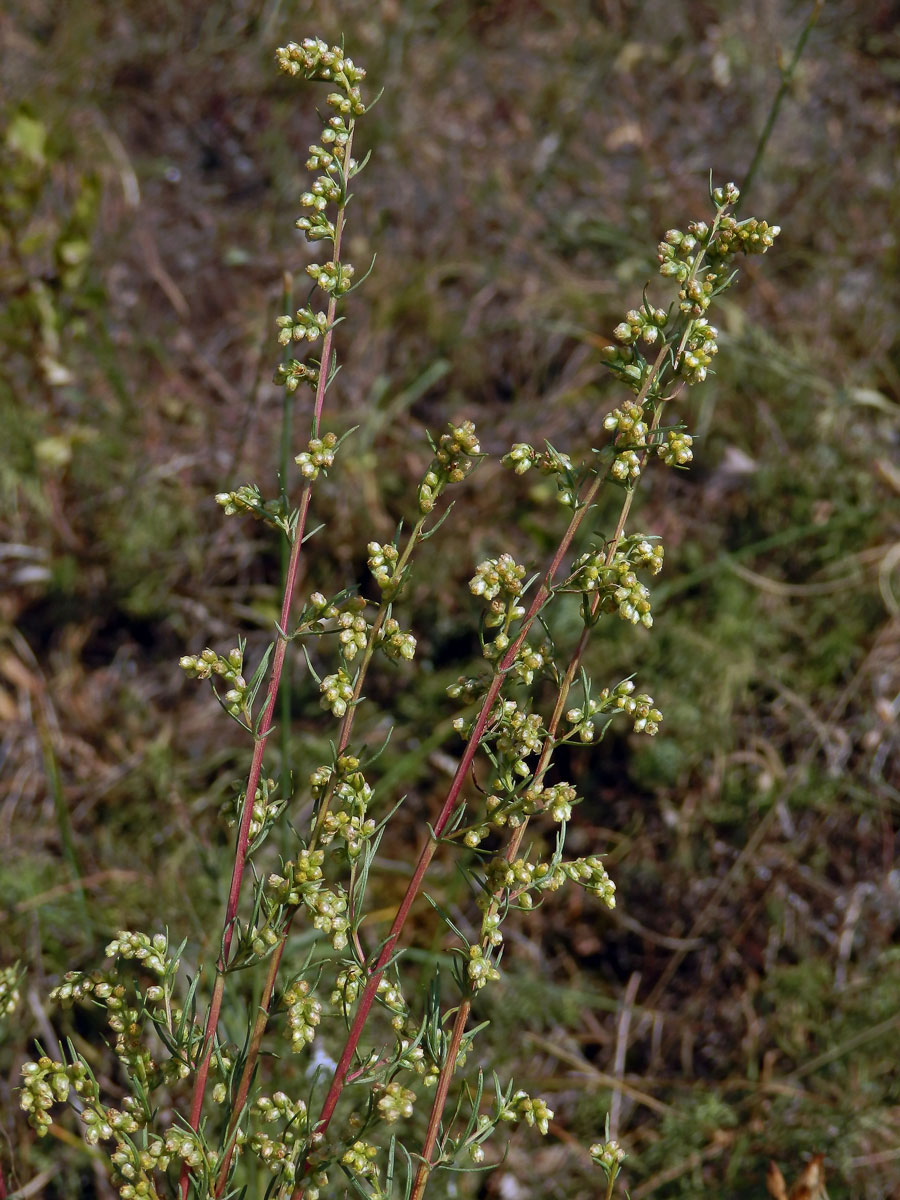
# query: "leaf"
28, 137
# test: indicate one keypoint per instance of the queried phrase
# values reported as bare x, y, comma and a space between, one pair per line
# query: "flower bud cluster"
317, 610
746, 237
291, 374
628, 363
414, 1055
305, 326
528, 661
533, 1111
676, 450
125, 1016
47, 1083
497, 579
518, 734
346, 817
302, 883
207, 663
453, 460
333, 278
390, 996
186, 1145
327, 908
347, 986
645, 716
628, 423
317, 226
137, 1166
353, 629
318, 456
591, 874
616, 582
641, 709
466, 689
500, 873
278, 1153
678, 253
263, 938
149, 952
247, 499
608, 1155
641, 324
480, 970
77, 986
383, 564
522, 458
337, 692
360, 1159
301, 878
10, 978
396, 1103
700, 349
304, 1014
557, 801
630, 429
699, 261
513, 808
395, 642
314, 59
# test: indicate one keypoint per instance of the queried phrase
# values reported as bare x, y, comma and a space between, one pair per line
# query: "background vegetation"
741, 1003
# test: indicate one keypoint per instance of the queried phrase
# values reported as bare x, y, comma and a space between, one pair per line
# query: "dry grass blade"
809, 1185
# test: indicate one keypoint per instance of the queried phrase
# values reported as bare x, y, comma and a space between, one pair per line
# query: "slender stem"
266, 718
787, 75
243, 840
515, 841
287, 408
264, 1007
253, 1046
440, 1098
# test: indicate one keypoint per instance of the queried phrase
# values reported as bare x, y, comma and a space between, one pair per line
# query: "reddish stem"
440, 1099
240, 857
265, 724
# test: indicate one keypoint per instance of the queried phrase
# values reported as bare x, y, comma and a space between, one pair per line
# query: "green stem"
284, 698
787, 76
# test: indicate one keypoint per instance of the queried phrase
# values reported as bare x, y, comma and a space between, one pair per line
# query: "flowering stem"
264, 1008
462, 1015
265, 723
451, 802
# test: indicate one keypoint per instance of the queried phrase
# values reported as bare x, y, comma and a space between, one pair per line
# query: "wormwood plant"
208, 1113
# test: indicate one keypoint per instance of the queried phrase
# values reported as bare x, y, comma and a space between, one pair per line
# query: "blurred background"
741, 1004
